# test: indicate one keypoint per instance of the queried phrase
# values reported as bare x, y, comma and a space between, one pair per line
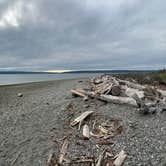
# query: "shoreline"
43, 82
34, 124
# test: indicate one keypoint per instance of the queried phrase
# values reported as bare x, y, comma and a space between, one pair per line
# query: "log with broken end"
83, 93
115, 90
121, 157
119, 100
78, 93
81, 117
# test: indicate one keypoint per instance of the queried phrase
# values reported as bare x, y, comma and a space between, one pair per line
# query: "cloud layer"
53, 34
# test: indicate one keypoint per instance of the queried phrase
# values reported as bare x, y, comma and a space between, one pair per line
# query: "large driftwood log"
120, 158
78, 93
119, 100
162, 92
81, 117
131, 92
131, 84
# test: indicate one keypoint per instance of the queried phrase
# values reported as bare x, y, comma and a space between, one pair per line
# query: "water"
7, 79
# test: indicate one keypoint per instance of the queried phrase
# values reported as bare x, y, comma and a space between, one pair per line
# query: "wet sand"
30, 126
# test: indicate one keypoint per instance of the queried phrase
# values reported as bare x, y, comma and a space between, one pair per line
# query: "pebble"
20, 95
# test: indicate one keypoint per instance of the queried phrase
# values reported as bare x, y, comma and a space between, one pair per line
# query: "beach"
33, 125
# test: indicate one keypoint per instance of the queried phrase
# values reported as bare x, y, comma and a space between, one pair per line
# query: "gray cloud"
66, 34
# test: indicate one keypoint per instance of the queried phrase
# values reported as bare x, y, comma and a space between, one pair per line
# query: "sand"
33, 125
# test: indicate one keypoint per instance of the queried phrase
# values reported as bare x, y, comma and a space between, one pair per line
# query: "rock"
20, 95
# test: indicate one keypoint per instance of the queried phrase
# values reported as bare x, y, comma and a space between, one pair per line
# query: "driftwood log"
77, 93
162, 92
119, 100
81, 117
115, 90
86, 132
131, 92
121, 157
131, 84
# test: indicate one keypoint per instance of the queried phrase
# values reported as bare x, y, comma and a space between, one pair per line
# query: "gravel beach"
34, 123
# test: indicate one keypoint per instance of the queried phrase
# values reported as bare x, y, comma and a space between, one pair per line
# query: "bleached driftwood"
78, 93
63, 150
85, 93
162, 92
120, 158
119, 100
131, 92
86, 132
81, 117
103, 130
131, 84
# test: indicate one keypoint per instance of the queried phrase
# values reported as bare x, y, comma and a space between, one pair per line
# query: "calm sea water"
7, 79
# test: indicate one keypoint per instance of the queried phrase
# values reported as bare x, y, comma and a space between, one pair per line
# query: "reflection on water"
6, 79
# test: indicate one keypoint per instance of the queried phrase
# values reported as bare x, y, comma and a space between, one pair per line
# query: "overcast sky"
88, 34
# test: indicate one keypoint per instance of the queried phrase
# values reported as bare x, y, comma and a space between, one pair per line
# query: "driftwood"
87, 93
131, 92
100, 158
115, 90
162, 92
119, 100
84, 160
52, 160
131, 84
81, 117
86, 132
121, 157
77, 93
63, 150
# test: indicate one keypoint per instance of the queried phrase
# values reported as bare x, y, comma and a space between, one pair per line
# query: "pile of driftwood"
148, 99
103, 132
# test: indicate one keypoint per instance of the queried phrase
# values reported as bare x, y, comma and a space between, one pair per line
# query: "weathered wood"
78, 93
100, 158
119, 100
63, 150
86, 132
81, 117
120, 158
162, 92
115, 90
131, 84
86, 93
131, 92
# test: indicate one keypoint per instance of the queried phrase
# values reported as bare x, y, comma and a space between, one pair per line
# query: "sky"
40, 35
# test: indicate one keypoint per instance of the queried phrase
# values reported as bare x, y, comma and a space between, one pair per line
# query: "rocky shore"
35, 118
